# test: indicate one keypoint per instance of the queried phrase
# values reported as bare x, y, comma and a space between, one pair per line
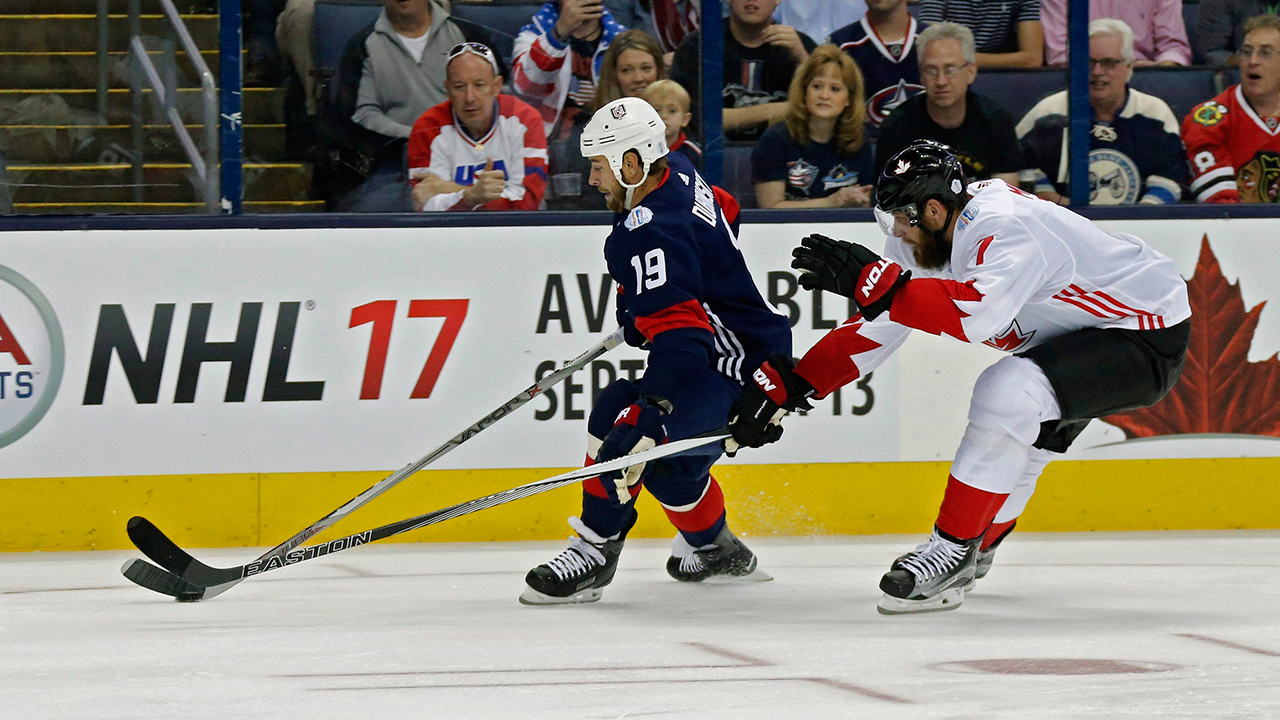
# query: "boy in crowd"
672, 102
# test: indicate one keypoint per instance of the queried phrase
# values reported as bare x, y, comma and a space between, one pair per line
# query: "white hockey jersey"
1022, 271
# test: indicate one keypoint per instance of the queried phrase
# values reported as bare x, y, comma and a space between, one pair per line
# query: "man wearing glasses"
478, 150
1233, 140
1135, 151
980, 132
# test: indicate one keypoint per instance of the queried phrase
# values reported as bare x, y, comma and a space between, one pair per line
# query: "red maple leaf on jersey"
1220, 391
1011, 339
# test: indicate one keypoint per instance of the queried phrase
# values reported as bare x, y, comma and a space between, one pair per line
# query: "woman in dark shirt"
817, 156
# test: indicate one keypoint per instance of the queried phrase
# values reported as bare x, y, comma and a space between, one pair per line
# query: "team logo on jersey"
31, 356
1209, 114
1105, 132
881, 103
1259, 179
618, 112
1011, 339
801, 174
638, 216
1113, 178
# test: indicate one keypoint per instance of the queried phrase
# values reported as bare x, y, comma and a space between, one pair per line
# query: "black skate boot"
578, 574
727, 558
932, 577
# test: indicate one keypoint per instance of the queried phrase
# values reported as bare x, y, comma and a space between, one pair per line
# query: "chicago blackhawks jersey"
1234, 153
889, 70
684, 285
516, 143
1022, 271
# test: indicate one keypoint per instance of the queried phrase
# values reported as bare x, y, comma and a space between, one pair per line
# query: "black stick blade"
157, 546
149, 576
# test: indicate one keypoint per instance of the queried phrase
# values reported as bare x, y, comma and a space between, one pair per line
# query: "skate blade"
946, 600
755, 576
533, 597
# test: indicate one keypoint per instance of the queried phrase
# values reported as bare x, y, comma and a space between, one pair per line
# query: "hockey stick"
210, 582
166, 559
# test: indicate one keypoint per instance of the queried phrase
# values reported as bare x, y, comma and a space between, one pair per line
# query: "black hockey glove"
639, 427
755, 417
851, 270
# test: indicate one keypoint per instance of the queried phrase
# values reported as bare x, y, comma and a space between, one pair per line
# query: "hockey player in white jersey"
1097, 324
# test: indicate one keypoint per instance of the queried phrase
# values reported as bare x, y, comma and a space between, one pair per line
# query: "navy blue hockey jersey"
1136, 158
890, 72
683, 283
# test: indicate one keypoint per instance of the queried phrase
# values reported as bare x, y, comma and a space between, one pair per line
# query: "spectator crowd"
428, 111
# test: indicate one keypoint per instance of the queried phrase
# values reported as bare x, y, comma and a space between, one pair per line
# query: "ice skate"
985, 560
727, 559
931, 578
577, 575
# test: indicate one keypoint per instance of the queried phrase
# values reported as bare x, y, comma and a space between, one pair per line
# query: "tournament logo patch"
638, 216
966, 217
1113, 178
1209, 114
1259, 179
32, 355
801, 174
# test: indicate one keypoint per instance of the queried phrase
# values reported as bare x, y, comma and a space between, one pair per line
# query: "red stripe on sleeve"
681, 315
929, 304
830, 364
544, 60
982, 248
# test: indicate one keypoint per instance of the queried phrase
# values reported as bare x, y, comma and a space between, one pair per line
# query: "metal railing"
163, 85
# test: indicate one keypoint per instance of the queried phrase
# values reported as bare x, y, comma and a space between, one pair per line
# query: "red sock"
967, 511
592, 485
704, 514
996, 532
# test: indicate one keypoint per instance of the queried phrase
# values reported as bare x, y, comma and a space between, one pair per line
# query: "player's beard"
616, 201
933, 252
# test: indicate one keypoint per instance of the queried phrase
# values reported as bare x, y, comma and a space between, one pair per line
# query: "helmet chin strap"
939, 236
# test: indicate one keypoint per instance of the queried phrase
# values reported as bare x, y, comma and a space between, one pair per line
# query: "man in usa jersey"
1097, 324
685, 294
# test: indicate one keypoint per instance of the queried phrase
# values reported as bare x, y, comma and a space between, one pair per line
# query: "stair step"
177, 208
45, 32
79, 69
164, 182
262, 143
262, 106
90, 7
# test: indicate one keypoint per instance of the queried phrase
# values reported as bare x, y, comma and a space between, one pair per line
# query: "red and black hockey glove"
755, 417
639, 427
851, 270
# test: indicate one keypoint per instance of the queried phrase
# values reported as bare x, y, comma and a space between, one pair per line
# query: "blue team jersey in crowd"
684, 285
890, 71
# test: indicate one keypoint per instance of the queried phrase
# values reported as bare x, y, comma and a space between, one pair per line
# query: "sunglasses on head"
475, 49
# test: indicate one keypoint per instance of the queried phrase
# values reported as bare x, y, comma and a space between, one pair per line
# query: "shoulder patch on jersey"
639, 216
684, 177
1209, 114
966, 217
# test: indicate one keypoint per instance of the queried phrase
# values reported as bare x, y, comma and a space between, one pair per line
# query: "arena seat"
334, 23
1182, 88
503, 20
1019, 90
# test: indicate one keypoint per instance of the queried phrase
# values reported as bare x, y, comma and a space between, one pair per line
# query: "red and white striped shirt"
516, 144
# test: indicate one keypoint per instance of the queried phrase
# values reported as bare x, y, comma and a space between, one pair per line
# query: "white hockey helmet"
623, 125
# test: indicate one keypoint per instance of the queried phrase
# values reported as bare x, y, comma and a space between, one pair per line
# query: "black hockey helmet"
922, 171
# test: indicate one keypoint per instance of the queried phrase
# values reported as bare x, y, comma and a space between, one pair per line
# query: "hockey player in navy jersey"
684, 292
1097, 324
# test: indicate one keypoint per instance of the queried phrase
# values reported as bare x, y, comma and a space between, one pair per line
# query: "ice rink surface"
1167, 625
